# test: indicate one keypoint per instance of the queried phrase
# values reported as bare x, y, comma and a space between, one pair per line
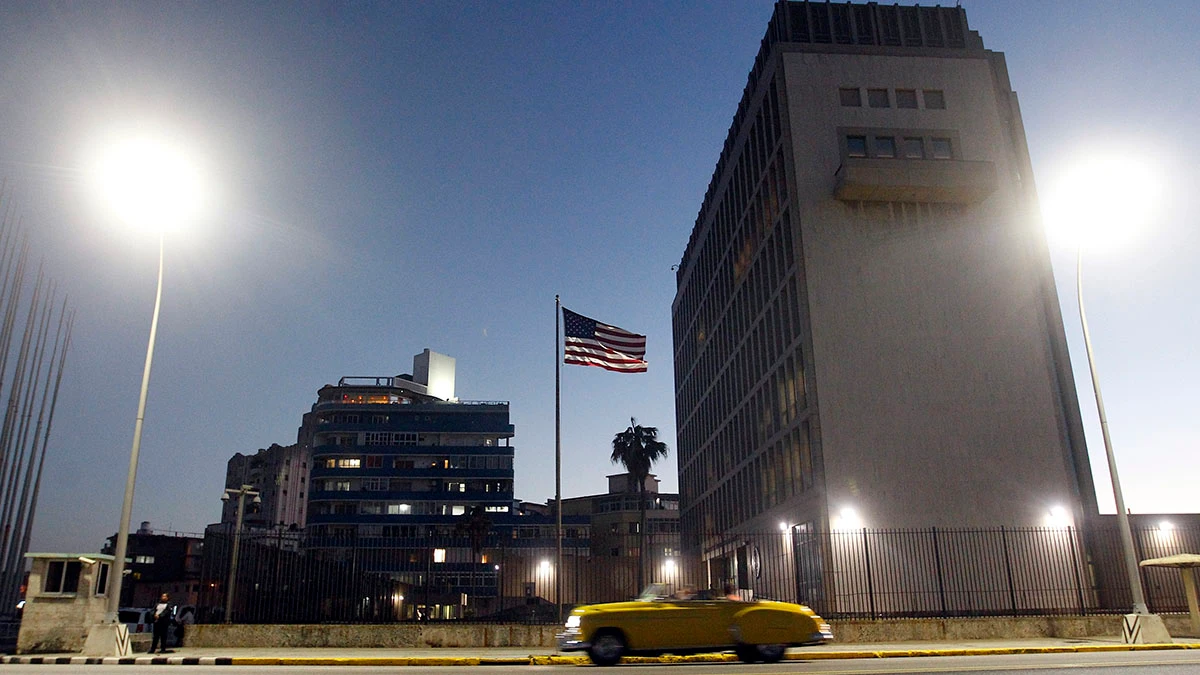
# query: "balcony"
946, 181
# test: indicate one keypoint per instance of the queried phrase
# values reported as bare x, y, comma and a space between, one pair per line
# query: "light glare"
1101, 201
147, 184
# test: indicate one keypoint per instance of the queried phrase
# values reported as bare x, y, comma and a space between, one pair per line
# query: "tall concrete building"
866, 327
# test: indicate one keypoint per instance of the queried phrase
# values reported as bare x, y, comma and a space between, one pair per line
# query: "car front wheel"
606, 648
770, 653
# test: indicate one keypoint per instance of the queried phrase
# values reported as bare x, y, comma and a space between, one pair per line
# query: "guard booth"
66, 596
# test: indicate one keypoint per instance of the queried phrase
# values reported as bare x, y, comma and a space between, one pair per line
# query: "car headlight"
573, 621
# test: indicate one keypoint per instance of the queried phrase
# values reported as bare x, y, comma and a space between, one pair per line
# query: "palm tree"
637, 448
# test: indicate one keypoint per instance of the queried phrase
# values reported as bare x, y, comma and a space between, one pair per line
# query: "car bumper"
823, 635
571, 641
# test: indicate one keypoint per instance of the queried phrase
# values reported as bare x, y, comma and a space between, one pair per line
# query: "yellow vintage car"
654, 624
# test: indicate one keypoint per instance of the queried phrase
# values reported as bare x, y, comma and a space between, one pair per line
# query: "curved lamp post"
1108, 196
152, 187
1129, 554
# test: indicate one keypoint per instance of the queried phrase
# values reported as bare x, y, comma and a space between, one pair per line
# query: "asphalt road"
1107, 663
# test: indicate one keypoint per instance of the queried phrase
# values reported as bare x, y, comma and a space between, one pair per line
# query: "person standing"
164, 613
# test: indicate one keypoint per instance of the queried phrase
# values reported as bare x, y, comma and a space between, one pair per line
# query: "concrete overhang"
949, 181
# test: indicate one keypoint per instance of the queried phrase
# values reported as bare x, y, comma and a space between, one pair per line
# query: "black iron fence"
291, 578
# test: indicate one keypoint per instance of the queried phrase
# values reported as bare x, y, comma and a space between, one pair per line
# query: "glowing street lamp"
1106, 197
152, 187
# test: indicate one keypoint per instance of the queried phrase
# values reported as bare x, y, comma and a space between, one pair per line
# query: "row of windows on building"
736, 358
733, 237
904, 146
441, 534
767, 480
929, 99
401, 439
774, 407
351, 508
746, 424
741, 191
479, 462
407, 485
745, 277
655, 526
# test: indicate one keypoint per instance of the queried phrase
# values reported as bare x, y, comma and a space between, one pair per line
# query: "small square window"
851, 98
885, 146
906, 98
941, 148
913, 148
877, 98
856, 146
934, 99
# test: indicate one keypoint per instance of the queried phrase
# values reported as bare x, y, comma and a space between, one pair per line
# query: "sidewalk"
546, 656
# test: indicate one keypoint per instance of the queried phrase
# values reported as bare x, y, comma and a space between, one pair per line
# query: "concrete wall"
542, 637
369, 636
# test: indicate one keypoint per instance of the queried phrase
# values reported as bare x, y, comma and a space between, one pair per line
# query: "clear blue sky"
399, 176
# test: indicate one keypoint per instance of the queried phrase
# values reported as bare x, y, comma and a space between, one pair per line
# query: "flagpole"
558, 570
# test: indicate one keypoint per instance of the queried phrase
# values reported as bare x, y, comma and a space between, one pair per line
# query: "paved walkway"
546, 656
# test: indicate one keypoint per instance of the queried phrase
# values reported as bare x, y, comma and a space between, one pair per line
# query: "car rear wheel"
607, 648
770, 653
746, 653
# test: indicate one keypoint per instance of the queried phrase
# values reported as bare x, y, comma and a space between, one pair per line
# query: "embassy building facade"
866, 328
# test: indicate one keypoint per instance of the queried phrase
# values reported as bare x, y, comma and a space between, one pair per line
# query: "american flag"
591, 343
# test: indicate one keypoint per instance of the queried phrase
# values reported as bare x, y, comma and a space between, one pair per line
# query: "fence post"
1075, 566
937, 564
870, 585
1012, 595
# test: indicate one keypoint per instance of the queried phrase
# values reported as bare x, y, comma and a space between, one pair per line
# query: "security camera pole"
237, 539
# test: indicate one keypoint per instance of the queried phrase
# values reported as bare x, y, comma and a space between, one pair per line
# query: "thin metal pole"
233, 557
118, 573
558, 528
1131, 563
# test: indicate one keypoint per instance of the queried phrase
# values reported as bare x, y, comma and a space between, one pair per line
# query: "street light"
1111, 195
241, 493
153, 187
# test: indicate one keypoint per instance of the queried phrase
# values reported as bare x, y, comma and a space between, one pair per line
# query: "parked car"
139, 620
759, 630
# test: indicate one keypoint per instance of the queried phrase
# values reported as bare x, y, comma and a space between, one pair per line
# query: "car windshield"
653, 592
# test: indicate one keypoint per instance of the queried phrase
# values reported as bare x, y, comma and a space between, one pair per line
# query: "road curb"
555, 660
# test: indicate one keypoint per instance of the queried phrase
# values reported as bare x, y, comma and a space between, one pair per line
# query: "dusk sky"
385, 178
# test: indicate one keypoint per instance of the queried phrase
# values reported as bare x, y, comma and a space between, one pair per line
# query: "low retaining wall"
412, 635
368, 636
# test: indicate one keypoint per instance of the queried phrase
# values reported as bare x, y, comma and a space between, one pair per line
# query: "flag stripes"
591, 343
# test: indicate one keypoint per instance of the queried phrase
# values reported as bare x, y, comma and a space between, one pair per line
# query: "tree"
637, 448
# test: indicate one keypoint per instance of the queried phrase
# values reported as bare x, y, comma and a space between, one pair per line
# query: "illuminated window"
439, 555
399, 509
349, 462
